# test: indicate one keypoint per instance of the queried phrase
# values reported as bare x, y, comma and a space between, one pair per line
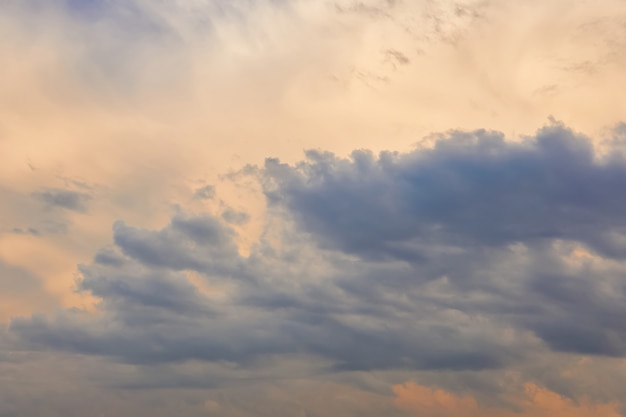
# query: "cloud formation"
473, 261
65, 199
536, 402
455, 211
461, 257
473, 189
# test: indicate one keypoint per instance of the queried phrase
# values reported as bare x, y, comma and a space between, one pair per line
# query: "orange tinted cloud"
535, 402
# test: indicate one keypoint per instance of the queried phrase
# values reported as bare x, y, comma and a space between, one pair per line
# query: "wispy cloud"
65, 199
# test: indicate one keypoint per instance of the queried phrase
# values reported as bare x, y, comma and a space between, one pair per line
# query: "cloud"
197, 243
534, 402
453, 210
471, 189
65, 199
233, 216
300, 398
475, 254
271, 303
205, 193
469, 266
30, 231
20, 290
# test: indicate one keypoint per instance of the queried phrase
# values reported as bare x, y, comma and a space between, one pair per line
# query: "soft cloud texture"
65, 199
536, 402
473, 281
474, 261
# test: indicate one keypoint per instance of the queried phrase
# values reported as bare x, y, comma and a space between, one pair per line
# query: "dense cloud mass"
473, 189
468, 255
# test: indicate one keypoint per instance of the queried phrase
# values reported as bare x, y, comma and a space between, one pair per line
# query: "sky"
312, 208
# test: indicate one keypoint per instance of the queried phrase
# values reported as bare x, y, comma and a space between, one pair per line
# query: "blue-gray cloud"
29, 231
62, 198
197, 243
448, 211
455, 257
233, 216
205, 193
472, 189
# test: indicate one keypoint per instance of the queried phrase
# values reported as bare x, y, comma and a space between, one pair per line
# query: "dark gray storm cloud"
463, 256
65, 199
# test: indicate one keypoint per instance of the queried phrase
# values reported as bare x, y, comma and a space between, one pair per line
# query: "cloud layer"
470, 255
158, 145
